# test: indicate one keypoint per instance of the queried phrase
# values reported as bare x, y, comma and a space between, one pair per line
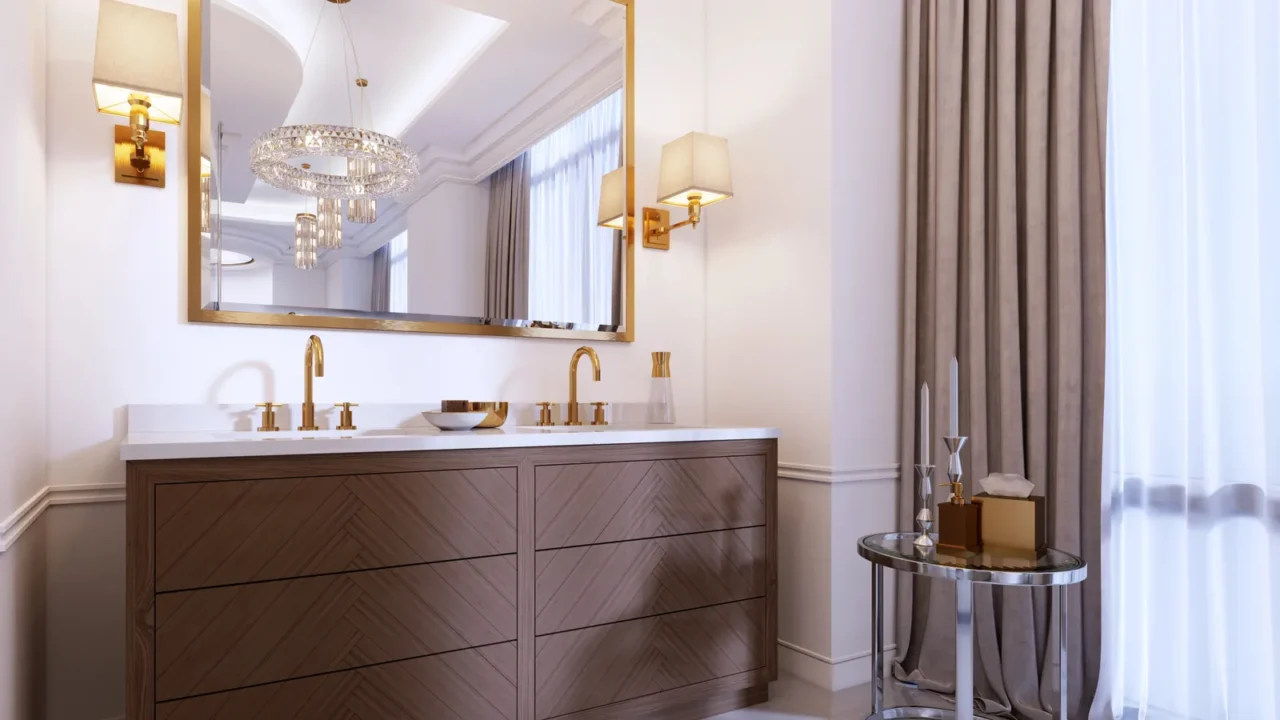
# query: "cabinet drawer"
597, 584
593, 503
598, 666
477, 684
230, 637
222, 533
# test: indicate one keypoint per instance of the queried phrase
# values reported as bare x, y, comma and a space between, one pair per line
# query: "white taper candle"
924, 424
953, 427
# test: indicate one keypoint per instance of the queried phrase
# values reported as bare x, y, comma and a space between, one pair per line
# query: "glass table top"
996, 565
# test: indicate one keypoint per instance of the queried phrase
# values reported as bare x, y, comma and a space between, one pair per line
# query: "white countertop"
211, 444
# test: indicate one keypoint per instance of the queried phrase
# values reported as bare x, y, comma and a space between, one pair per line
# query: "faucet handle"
544, 415
346, 419
599, 416
268, 417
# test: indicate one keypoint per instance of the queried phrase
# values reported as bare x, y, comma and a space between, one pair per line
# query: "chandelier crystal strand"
361, 210
304, 241
329, 219
393, 166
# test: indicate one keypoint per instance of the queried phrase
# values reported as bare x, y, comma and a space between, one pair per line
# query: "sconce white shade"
137, 52
613, 199
696, 164
206, 133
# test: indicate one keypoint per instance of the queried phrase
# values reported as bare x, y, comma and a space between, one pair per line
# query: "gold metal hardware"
133, 169
658, 227
544, 415
199, 310
599, 417
268, 417
313, 359
573, 380
661, 364
346, 419
360, 82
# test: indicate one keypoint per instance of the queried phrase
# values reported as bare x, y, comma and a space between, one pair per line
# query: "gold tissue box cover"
1017, 523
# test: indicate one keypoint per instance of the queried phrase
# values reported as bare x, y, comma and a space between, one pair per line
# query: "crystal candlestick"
924, 518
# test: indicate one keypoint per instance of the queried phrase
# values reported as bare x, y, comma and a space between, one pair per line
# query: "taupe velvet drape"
506, 295
1005, 114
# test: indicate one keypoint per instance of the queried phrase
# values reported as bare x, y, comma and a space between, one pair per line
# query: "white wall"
447, 250
802, 293
23, 359
292, 287
251, 285
117, 333
350, 283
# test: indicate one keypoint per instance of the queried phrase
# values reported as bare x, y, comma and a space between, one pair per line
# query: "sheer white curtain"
570, 258
1192, 553
398, 270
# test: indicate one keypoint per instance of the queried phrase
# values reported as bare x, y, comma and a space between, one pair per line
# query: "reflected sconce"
137, 73
206, 161
613, 200
694, 173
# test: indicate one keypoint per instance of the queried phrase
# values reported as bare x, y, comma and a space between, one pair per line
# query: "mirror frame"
195, 276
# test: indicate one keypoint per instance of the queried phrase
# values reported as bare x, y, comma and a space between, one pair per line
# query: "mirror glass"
513, 111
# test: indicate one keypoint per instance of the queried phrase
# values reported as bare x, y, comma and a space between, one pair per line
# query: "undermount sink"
565, 428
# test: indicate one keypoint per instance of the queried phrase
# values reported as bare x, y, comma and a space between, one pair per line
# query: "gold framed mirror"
432, 166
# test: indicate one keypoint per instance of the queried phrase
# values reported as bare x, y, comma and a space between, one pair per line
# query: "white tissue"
1006, 485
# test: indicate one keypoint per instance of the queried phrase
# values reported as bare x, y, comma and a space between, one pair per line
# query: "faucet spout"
573, 380
312, 366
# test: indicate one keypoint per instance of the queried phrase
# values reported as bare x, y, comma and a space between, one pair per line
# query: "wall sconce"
694, 173
137, 73
613, 200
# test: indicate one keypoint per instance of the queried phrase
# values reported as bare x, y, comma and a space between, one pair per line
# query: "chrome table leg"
964, 650
1062, 651
877, 639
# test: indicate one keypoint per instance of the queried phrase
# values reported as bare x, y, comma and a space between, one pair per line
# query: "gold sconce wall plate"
655, 218
153, 176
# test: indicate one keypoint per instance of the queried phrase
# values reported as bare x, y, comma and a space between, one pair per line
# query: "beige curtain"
506, 294
1005, 114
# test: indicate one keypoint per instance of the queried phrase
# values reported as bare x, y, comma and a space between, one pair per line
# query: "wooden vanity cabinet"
603, 581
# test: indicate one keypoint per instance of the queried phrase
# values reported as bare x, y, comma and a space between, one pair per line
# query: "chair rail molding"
12, 527
831, 475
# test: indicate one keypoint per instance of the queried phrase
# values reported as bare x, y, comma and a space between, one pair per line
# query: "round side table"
995, 566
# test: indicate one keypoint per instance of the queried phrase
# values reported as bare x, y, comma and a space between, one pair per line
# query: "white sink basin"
565, 428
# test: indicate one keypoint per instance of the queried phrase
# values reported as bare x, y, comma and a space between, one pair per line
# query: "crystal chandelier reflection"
305, 234
329, 223
361, 210
387, 166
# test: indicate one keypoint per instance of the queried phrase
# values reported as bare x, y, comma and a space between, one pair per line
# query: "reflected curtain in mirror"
571, 259
506, 294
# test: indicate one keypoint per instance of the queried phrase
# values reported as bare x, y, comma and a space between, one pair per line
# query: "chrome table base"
922, 713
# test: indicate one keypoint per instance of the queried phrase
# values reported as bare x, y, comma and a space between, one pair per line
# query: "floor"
793, 699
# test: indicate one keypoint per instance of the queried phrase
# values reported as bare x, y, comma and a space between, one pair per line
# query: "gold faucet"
573, 380
314, 358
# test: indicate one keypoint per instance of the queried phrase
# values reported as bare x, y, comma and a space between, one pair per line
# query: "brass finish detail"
306, 166
452, 406
661, 364
497, 416
573, 380
197, 313
658, 227
268, 417
599, 415
544, 415
346, 419
361, 82
313, 359
1009, 522
151, 173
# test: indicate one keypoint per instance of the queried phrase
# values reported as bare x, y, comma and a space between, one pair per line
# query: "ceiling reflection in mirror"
426, 160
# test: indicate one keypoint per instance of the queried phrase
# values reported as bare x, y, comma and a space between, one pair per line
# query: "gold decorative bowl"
497, 413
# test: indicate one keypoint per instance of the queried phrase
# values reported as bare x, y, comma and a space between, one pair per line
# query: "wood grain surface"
221, 533
582, 669
591, 503
597, 584
230, 637
477, 684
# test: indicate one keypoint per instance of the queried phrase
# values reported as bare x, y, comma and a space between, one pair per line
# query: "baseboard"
828, 673
830, 475
12, 527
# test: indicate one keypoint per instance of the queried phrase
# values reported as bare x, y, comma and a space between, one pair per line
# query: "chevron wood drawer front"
597, 584
221, 533
477, 684
599, 666
230, 637
593, 503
